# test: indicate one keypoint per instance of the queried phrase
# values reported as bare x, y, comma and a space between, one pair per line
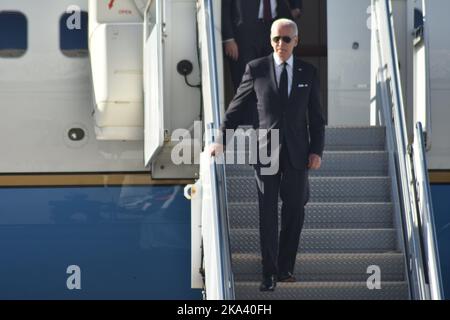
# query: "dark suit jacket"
240, 16
296, 4
303, 107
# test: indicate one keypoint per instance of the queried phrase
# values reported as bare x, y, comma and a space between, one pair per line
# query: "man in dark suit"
246, 27
296, 8
286, 92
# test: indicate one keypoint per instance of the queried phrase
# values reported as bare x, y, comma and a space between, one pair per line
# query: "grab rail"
420, 239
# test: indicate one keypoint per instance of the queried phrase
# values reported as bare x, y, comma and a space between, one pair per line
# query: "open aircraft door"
172, 95
153, 81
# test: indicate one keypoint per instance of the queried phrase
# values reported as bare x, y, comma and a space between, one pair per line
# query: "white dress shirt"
273, 5
279, 70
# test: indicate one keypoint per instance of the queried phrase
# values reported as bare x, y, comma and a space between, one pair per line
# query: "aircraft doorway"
312, 47
313, 42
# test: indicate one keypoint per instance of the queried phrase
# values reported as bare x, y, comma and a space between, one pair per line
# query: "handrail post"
218, 184
419, 243
425, 210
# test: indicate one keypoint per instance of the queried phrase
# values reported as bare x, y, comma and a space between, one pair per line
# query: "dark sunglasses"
285, 39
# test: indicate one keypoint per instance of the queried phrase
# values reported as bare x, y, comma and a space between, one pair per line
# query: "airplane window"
13, 34
73, 34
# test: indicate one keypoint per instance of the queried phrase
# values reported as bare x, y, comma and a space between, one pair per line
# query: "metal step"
323, 291
322, 215
355, 138
336, 138
324, 240
327, 267
334, 164
336, 189
348, 224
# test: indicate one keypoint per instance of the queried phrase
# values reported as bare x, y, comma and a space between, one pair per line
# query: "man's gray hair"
284, 22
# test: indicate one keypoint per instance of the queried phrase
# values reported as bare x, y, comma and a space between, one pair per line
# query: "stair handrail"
391, 98
425, 205
217, 167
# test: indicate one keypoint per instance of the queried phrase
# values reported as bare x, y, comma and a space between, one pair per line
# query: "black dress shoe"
268, 284
286, 277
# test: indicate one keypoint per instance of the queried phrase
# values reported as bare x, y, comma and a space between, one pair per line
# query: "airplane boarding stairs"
350, 226
369, 215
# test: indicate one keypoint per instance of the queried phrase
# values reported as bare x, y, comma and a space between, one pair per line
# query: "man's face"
281, 48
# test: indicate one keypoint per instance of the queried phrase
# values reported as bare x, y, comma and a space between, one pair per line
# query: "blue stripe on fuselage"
129, 242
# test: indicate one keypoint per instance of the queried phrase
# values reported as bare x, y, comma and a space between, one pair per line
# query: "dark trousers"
279, 251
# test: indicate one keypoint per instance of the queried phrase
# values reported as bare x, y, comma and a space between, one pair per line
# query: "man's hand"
296, 13
215, 149
232, 50
314, 161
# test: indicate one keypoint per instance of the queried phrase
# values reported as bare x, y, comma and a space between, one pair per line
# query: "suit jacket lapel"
273, 79
296, 79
